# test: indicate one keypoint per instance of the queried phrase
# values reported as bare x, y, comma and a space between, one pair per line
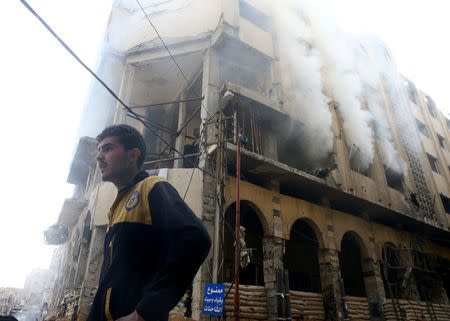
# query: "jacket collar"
140, 176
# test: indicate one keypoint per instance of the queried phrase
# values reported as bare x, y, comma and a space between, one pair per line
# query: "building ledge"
70, 212
262, 170
83, 160
248, 94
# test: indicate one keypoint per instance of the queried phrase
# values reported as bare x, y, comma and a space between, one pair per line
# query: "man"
154, 244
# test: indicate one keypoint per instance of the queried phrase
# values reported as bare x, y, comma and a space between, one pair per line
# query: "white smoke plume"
310, 105
324, 60
371, 82
395, 88
342, 81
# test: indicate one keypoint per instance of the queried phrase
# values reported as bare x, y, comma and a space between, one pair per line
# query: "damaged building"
344, 165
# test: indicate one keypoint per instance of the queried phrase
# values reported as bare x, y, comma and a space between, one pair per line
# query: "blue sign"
214, 298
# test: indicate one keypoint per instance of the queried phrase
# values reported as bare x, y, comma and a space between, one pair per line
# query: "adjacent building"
344, 165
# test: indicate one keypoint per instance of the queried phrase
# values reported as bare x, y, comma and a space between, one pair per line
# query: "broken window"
240, 66
446, 202
304, 275
356, 158
412, 91
253, 15
441, 141
433, 163
294, 149
422, 128
431, 106
394, 179
154, 91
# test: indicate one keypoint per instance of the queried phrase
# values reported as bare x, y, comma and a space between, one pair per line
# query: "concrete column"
92, 275
374, 288
330, 276
179, 143
204, 274
273, 247
330, 279
373, 280
81, 265
210, 85
343, 173
273, 261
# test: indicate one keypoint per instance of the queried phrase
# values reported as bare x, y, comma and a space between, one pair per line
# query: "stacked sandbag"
415, 311
358, 308
179, 311
307, 306
252, 302
442, 312
71, 302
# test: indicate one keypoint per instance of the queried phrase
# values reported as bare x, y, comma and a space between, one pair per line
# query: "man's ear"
134, 154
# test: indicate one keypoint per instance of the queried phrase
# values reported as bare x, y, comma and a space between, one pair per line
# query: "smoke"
327, 62
371, 82
395, 86
304, 94
343, 82
319, 62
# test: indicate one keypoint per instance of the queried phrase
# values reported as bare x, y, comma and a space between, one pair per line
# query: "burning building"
344, 165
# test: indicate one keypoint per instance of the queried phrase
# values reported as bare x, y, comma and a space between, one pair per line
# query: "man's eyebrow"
107, 144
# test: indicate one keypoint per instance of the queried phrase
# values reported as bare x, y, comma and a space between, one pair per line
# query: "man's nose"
99, 156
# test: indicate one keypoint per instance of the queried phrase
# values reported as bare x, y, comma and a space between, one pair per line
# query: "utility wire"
168, 51
164, 44
139, 117
187, 81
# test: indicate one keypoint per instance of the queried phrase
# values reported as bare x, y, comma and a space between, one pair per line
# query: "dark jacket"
153, 248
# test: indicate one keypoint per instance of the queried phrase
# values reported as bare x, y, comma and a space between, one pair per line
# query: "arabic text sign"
213, 300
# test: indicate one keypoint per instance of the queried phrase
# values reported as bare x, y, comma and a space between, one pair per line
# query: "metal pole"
238, 224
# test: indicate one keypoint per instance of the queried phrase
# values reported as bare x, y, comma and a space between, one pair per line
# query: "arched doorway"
252, 274
350, 263
301, 258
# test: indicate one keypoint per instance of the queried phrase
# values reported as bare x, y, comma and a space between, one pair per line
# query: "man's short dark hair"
128, 136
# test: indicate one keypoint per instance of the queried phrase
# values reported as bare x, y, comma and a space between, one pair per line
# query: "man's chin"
106, 178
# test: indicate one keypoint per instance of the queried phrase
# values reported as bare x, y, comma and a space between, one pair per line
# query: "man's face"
114, 162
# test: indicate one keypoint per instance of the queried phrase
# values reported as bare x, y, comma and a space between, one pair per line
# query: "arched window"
350, 262
252, 274
301, 258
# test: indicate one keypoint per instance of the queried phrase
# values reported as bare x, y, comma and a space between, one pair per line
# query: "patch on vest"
132, 201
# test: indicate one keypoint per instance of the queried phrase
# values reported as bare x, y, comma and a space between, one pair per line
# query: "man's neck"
126, 179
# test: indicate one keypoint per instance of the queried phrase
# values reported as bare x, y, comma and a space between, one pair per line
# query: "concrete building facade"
338, 225
11, 301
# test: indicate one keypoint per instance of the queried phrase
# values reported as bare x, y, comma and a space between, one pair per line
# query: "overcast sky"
43, 92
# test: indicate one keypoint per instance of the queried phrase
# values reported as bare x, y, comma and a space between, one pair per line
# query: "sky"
44, 90
43, 94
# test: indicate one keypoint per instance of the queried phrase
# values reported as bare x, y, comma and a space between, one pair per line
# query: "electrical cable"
167, 49
181, 72
72, 53
182, 127
187, 81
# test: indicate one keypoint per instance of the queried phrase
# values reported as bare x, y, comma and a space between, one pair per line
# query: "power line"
168, 51
187, 81
72, 53
164, 44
